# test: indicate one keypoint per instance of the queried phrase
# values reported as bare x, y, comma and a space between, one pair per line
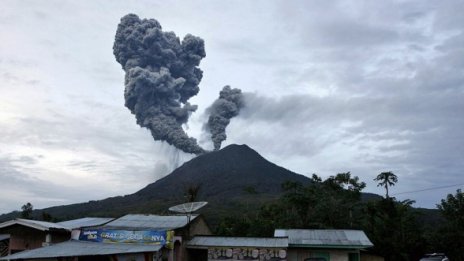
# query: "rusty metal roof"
81, 248
214, 241
335, 238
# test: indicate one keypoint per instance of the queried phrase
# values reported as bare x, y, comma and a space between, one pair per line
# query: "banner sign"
152, 237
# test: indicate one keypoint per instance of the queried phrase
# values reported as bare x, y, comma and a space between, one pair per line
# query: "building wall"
4, 247
368, 257
246, 253
300, 254
339, 255
23, 238
199, 227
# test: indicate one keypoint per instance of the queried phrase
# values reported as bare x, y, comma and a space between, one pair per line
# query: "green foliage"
191, 192
47, 217
452, 209
386, 179
321, 204
449, 237
335, 203
250, 190
394, 229
26, 210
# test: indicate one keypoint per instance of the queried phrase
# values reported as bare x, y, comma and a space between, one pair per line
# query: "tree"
330, 203
47, 217
452, 208
386, 179
26, 210
450, 235
191, 192
394, 229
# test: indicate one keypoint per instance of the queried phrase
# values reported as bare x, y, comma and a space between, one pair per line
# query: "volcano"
228, 179
224, 174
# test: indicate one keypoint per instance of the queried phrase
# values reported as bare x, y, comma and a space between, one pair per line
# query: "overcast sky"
333, 86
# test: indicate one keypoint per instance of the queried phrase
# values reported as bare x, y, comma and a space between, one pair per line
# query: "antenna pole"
189, 215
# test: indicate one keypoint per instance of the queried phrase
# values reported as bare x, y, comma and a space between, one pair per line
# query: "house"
4, 244
214, 248
324, 244
184, 227
76, 225
287, 244
131, 237
23, 234
180, 237
27, 234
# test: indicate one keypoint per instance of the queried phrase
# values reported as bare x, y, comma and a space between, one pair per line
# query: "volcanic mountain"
228, 179
224, 174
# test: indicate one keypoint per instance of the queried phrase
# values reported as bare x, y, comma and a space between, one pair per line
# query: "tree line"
395, 227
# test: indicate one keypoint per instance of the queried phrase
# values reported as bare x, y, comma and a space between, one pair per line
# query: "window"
353, 257
319, 256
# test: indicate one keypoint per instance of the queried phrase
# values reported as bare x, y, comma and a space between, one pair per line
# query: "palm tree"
191, 192
386, 179
26, 210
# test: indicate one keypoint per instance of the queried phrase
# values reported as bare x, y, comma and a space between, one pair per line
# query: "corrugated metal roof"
212, 241
81, 248
85, 222
40, 225
325, 237
4, 236
150, 222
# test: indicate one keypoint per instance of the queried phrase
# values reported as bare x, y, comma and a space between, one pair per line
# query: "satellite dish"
188, 208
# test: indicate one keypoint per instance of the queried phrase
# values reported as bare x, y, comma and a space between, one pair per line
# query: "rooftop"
40, 225
140, 222
85, 222
81, 248
325, 238
214, 241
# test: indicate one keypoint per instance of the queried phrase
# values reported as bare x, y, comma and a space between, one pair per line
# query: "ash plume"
162, 74
227, 106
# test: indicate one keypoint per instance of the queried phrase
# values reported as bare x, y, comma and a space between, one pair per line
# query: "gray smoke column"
162, 74
227, 106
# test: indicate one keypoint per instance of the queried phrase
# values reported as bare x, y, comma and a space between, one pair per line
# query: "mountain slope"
223, 178
224, 173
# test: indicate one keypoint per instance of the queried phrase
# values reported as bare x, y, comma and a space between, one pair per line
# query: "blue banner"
153, 237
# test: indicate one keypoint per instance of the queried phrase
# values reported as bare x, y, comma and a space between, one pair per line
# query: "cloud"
360, 86
407, 120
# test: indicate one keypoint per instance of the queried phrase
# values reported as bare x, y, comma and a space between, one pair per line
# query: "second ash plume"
227, 106
162, 74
